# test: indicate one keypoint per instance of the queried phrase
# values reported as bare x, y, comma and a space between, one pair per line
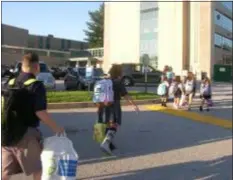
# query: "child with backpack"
177, 90
162, 91
190, 88
112, 109
205, 94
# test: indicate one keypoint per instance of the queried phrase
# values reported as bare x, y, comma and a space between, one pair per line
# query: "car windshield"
82, 72
43, 67
97, 72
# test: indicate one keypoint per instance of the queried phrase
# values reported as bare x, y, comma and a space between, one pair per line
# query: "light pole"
146, 61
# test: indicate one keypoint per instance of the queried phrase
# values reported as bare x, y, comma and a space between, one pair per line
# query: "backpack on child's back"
162, 89
173, 89
189, 86
103, 92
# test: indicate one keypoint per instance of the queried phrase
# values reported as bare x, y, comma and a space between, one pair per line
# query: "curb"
79, 105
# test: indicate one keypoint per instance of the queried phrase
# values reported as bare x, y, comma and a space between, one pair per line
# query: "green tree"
95, 28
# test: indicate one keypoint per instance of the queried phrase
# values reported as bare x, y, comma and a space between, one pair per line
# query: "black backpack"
17, 111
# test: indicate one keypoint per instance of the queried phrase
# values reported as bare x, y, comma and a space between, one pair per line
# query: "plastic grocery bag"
99, 132
59, 159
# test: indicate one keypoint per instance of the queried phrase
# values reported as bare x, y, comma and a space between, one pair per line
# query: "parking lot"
138, 87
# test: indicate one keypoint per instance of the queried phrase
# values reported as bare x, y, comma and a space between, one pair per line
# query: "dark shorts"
111, 112
206, 97
178, 94
25, 156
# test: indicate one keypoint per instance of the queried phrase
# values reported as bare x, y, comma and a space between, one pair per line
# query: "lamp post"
145, 61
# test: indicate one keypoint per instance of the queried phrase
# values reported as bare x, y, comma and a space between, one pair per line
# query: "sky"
61, 19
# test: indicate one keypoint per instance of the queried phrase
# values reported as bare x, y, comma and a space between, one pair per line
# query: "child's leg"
202, 103
165, 101
107, 144
100, 112
178, 102
190, 100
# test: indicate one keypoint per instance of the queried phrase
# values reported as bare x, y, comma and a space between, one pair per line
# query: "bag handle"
61, 135
70, 142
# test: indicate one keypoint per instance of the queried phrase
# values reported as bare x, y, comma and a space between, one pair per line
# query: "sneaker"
207, 109
105, 147
201, 108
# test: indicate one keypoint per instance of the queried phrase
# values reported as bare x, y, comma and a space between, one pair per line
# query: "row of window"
222, 42
228, 5
39, 52
65, 44
97, 52
223, 21
149, 15
147, 24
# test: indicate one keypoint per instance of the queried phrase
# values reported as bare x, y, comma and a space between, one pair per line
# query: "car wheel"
66, 87
80, 87
127, 81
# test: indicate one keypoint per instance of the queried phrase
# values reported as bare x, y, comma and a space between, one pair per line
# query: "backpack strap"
11, 82
29, 82
26, 83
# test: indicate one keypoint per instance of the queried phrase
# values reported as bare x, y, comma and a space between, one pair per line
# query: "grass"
85, 96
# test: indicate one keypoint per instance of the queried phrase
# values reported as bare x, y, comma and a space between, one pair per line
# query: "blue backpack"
162, 89
169, 75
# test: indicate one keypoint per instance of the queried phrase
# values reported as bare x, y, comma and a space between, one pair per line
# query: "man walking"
25, 106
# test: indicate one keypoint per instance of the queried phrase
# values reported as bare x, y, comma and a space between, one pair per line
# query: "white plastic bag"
59, 159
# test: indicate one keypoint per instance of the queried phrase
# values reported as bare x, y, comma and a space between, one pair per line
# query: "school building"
185, 35
53, 50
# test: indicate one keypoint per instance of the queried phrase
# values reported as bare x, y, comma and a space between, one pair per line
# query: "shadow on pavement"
218, 169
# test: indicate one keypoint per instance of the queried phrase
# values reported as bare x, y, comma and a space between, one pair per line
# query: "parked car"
45, 75
5, 71
58, 72
71, 80
76, 79
134, 73
98, 74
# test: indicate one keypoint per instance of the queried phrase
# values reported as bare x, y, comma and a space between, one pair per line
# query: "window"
40, 39
222, 42
137, 68
228, 5
47, 43
39, 52
62, 44
223, 21
58, 54
81, 46
68, 44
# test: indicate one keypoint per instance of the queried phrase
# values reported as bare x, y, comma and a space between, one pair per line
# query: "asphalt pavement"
154, 145
151, 146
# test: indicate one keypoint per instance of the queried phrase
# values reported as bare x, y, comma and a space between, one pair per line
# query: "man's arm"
41, 108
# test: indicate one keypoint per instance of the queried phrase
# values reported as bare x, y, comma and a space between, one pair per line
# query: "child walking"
163, 90
190, 88
205, 94
113, 116
178, 91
